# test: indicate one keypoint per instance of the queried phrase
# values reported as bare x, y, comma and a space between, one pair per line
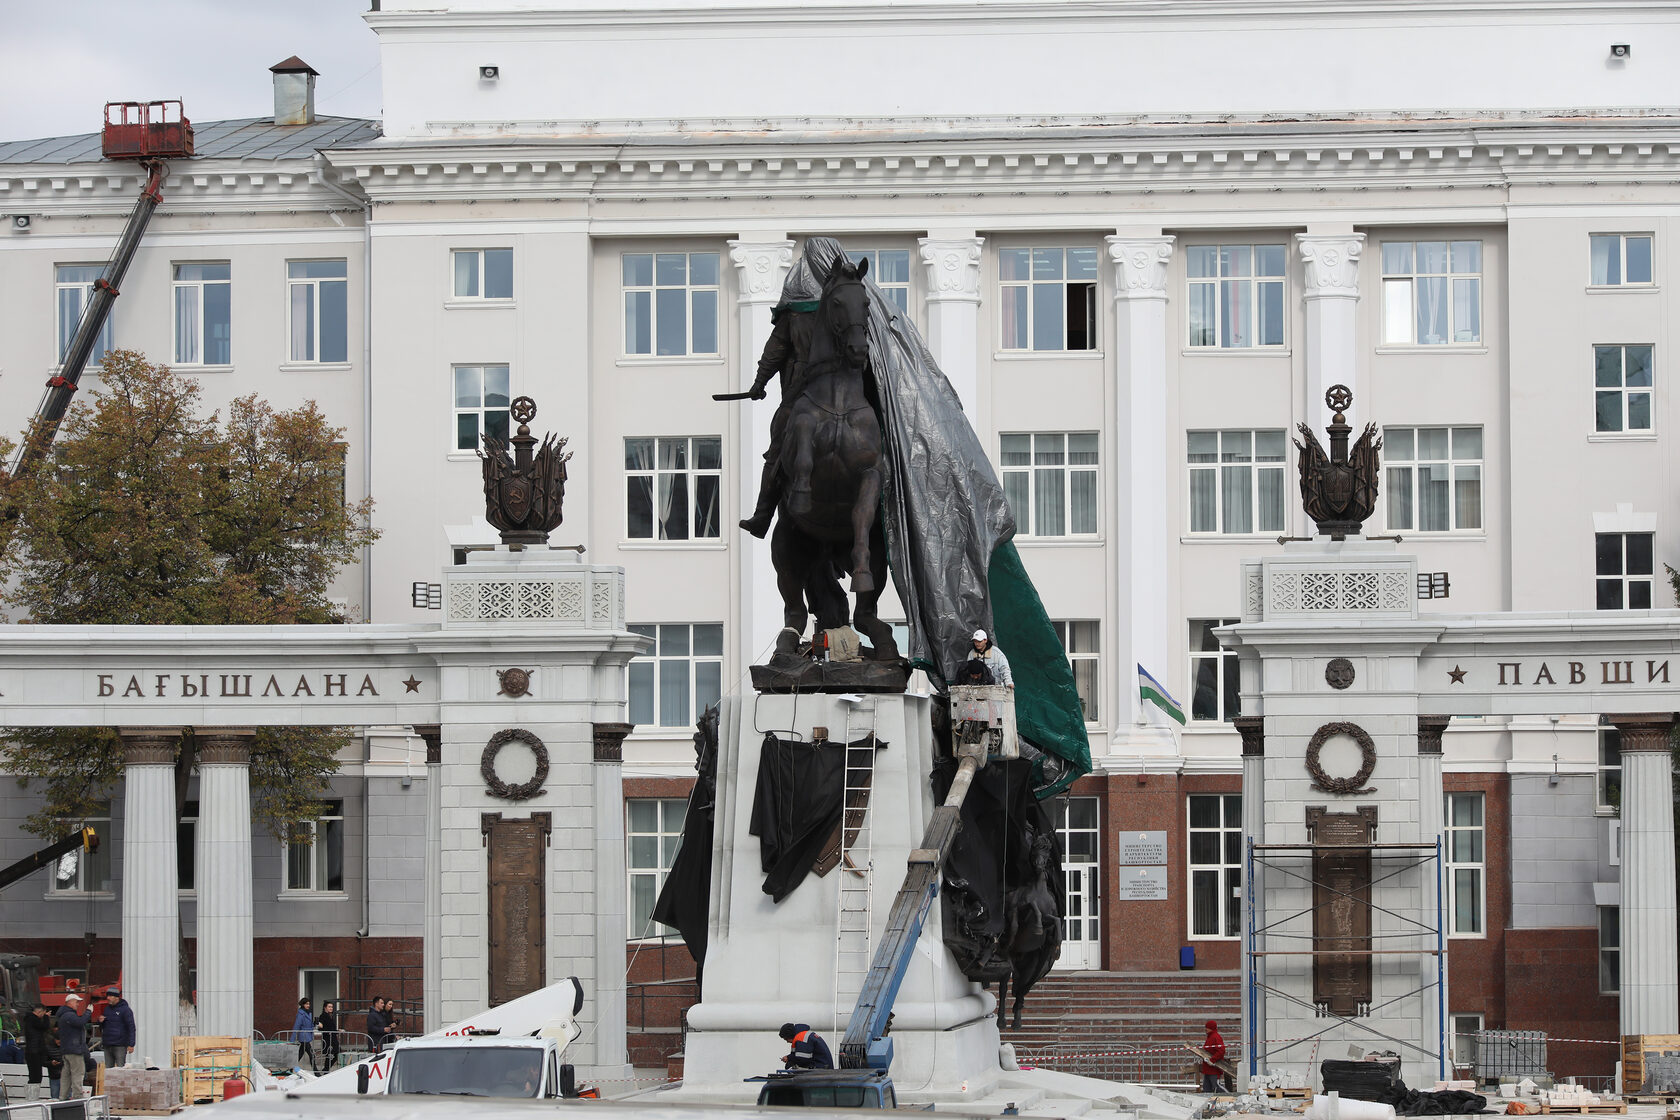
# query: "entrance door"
1076, 827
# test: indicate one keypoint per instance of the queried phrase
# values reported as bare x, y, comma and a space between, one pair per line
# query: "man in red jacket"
1215, 1047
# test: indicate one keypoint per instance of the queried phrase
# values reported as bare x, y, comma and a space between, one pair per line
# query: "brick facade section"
1476, 965
1551, 985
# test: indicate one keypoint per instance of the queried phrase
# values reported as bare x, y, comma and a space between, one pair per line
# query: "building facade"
1141, 240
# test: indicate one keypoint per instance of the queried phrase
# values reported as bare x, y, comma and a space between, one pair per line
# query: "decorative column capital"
1331, 263
1429, 731
149, 746
609, 741
1645, 731
432, 735
1253, 732
761, 267
1140, 265
953, 268
230, 746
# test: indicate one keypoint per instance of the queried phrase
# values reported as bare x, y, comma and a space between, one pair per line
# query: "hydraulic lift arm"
84, 838
62, 387
867, 1044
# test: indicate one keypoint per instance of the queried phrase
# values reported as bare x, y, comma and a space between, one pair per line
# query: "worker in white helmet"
986, 652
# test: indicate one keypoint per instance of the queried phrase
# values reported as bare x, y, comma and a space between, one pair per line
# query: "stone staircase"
1073, 1021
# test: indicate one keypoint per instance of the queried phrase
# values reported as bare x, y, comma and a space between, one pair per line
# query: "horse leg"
801, 437
864, 511
1020, 998
823, 591
1003, 999
865, 617
785, 550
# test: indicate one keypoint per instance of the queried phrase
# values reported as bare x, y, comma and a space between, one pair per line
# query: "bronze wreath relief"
493, 782
1367, 755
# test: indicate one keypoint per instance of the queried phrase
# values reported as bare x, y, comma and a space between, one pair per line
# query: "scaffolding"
1396, 860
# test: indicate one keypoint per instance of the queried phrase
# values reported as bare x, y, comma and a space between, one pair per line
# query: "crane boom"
62, 386
83, 838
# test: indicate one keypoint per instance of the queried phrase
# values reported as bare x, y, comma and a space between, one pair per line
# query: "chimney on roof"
294, 91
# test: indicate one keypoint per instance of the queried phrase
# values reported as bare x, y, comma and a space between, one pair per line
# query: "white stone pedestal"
767, 964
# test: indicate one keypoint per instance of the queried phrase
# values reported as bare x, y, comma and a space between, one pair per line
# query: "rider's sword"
731, 396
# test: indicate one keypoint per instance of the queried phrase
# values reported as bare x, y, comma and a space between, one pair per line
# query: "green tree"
145, 510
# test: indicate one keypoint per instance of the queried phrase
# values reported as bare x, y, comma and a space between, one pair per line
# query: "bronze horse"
828, 522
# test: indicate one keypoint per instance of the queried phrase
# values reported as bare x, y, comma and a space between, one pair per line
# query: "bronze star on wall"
1456, 674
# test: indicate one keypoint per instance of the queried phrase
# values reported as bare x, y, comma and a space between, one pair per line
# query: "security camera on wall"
1620, 50
489, 73
20, 223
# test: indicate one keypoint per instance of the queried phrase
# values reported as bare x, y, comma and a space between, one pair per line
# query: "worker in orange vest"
809, 1050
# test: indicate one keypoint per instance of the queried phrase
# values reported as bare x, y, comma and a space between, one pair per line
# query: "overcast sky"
61, 61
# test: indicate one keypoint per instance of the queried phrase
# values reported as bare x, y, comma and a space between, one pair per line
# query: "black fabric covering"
686, 898
1420, 1102
992, 855
1360, 1081
796, 808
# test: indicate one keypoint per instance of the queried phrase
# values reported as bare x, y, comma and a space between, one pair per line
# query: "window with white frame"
186, 845
1626, 568
1216, 855
73, 288
890, 269
1620, 259
670, 304
1236, 295
680, 678
1050, 482
1609, 768
1079, 831
1434, 479
483, 273
1048, 298
1082, 642
1622, 388
82, 871
481, 405
317, 310
1213, 673
315, 851
672, 487
1237, 481
1609, 950
1432, 292
1466, 865
653, 830
1464, 1027
204, 314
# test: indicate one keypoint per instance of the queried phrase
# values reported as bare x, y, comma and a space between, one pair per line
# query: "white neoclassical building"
1142, 239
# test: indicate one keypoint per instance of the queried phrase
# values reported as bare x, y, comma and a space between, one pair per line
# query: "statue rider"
795, 321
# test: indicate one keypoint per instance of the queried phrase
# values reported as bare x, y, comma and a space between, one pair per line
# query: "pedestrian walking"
326, 1028
377, 1024
118, 1034
38, 1047
73, 1023
303, 1033
1214, 1045
809, 1051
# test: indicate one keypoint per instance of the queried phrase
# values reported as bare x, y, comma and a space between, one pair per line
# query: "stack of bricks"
142, 1090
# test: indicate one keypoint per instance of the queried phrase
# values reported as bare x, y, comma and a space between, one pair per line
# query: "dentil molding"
1140, 266
953, 268
1332, 263
761, 266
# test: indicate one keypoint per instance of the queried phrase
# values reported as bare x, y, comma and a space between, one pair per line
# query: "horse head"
845, 306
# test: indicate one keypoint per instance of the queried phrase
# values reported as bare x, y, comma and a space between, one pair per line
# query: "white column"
1432, 811
1649, 1003
1141, 451
953, 314
1253, 732
1330, 274
224, 883
151, 923
431, 950
611, 902
760, 268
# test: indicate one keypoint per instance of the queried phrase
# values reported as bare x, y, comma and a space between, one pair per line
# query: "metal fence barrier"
1508, 1054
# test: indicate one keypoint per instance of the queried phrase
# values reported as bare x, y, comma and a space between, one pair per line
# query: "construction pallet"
1651, 1098
1608, 1108
206, 1062
1634, 1049
1299, 1092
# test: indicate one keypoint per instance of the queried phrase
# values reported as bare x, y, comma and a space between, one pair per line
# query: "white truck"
514, 1050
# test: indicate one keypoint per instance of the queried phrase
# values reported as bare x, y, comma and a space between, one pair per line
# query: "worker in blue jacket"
809, 1051
117, 1034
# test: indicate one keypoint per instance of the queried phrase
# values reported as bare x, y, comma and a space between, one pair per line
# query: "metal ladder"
856, 871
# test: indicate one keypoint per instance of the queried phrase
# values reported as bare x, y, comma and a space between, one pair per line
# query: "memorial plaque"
1342, 906
1143, 849
518, 924
1143, 884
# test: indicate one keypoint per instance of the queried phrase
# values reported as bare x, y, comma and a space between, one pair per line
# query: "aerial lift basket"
147, 130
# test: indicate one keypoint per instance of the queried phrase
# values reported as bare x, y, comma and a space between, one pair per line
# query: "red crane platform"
146, 130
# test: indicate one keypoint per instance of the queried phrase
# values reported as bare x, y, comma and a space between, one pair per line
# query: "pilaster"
151, 927
431, 960
1330, 286
1431, 825
1649, 1004
611, 901
1253, 732
760, 268
1138, 448
953, 314
225, 975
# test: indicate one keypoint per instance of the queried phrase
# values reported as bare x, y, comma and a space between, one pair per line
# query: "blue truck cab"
828, 1088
